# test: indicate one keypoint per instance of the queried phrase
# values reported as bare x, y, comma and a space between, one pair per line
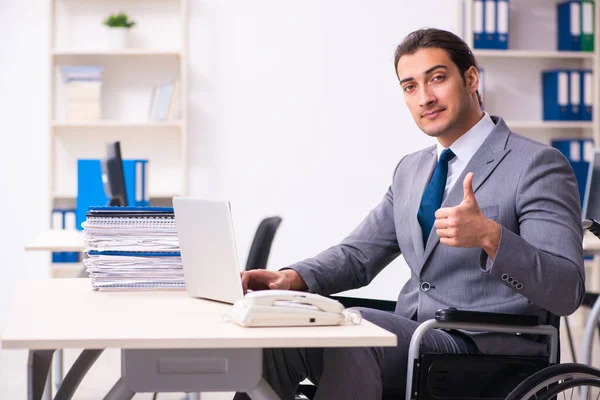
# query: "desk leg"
119, 392
80, 367
38, 366
57, 368
47, 395
263, 392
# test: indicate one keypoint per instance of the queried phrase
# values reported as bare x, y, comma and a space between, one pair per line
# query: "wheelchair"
493, 377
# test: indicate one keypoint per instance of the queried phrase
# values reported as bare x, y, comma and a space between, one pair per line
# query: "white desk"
66, 313
58, 240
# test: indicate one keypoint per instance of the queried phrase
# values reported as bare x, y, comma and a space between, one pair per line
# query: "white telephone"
289, 308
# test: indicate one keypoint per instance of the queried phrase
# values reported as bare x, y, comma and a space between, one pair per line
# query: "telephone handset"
290, 308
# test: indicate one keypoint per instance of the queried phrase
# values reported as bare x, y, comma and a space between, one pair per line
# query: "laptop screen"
591, 202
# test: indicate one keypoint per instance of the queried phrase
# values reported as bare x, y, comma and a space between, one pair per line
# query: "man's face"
434, 91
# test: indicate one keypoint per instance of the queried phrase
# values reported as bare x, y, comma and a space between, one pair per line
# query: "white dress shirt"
464, 148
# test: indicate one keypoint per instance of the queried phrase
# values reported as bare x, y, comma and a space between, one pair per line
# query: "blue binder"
575, 150
90, 190
581, 168
555, 95
587, 94
56, 223
574, 95
502, 24
63, 219
489, 24
478, 18
569, 25
135, 253
579, 153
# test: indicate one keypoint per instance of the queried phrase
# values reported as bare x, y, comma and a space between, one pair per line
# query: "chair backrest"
261, 245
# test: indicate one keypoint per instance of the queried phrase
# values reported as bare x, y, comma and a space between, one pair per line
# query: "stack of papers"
132, 248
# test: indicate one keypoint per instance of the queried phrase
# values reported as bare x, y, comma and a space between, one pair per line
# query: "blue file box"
90, 190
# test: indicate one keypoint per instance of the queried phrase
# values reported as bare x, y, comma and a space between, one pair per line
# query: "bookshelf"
157, 52
513, 77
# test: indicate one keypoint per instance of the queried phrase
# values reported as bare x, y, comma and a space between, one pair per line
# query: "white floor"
106, 370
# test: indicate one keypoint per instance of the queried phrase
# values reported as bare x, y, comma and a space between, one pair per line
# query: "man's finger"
245, 280
468, 188
443, 212
440, 223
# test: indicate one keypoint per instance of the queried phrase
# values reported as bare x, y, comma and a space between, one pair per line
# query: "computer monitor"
113, 177
591, 199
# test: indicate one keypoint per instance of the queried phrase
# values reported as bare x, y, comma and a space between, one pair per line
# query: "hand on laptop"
262, 279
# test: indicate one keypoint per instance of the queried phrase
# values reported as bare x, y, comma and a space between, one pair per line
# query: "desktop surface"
67, 313
58, 240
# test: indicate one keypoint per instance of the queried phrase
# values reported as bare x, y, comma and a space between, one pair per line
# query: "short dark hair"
458, 51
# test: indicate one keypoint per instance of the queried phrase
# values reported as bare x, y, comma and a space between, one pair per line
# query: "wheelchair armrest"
453, 315
589, 299
384, 305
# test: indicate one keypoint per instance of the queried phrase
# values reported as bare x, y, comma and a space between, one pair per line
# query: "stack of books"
83, 92
132, 248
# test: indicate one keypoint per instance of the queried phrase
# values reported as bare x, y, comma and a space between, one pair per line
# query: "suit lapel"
426, 165
482, 164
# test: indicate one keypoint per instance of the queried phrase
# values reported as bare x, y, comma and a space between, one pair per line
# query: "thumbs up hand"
465, 225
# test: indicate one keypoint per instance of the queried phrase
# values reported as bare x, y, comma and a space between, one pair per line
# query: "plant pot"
117, 38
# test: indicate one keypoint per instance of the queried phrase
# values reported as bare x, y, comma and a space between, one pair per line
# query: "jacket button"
504, 277
425, 286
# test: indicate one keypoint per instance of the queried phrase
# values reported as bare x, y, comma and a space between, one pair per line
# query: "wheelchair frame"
417, 337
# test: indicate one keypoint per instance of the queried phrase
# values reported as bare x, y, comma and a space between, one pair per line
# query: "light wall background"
294, 110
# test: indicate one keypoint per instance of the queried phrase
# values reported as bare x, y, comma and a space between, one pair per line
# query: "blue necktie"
433, 194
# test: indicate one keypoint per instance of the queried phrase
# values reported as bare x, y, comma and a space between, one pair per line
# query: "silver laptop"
208, 251
591, 198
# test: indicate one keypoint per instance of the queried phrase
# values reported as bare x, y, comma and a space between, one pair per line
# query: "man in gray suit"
486, 220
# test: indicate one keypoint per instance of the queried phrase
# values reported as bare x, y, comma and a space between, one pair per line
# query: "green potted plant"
118, 27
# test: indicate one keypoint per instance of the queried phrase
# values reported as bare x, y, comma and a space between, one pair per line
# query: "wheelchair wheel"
553, 378
572, 389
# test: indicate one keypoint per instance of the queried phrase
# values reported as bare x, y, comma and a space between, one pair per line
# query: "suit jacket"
527, 187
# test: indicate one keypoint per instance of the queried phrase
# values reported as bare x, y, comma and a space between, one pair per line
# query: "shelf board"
550, 124
534, 54
117, 124
114, 53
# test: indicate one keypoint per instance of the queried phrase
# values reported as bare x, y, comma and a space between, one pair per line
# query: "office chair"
261, 244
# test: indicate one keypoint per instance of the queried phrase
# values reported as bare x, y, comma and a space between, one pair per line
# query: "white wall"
23, 159
298, 112
294, 110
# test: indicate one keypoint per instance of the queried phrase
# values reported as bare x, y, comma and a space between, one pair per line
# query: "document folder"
569, 26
